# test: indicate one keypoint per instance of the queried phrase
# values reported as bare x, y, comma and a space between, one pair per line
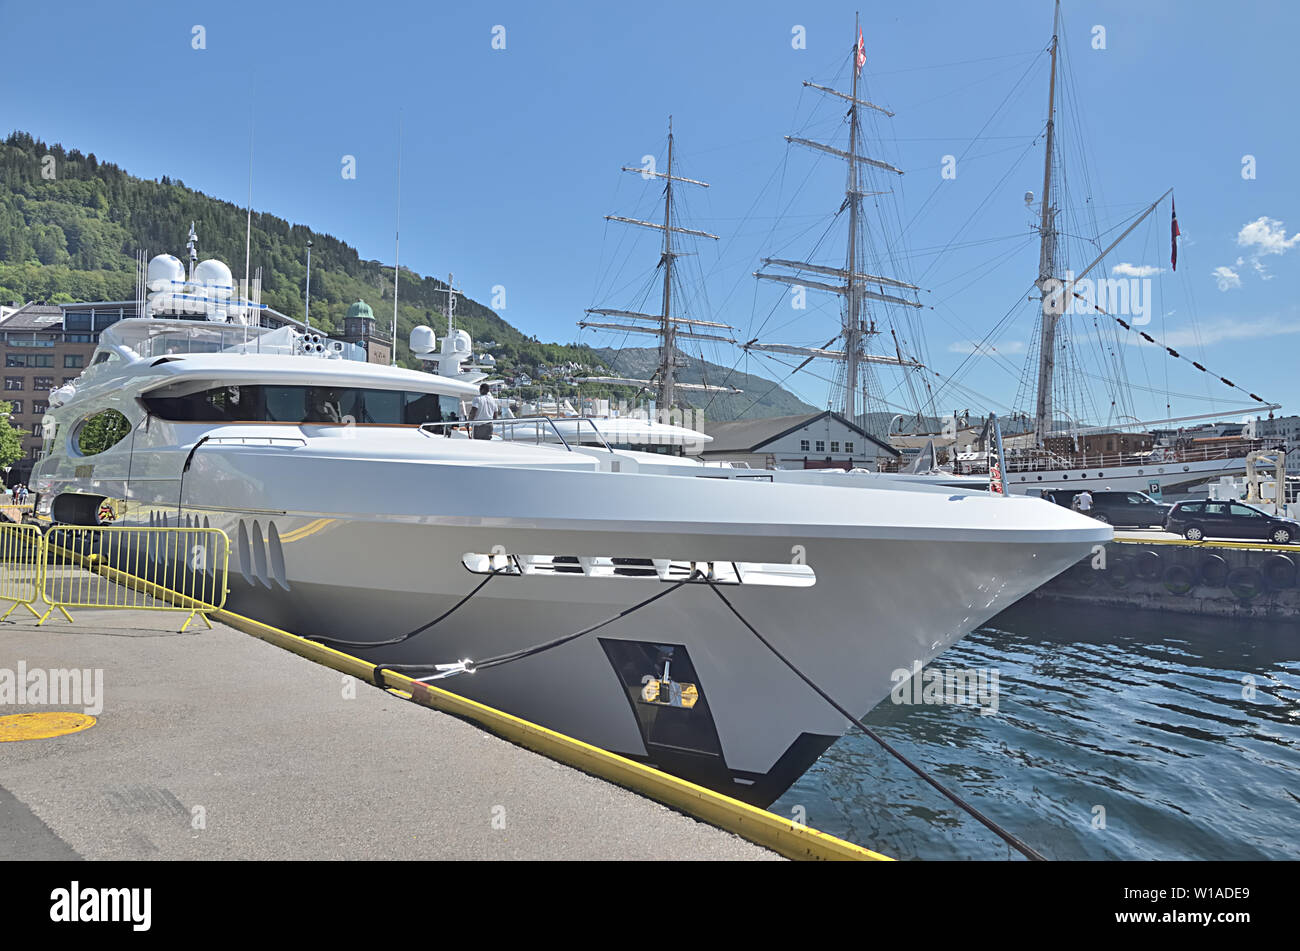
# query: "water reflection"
1182, 734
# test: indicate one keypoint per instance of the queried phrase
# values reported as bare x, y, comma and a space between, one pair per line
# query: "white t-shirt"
487, 407
1085, 501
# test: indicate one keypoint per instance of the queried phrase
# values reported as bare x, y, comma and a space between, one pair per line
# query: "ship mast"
670, 326
668, 345
852, 317
856, 285
1047, 264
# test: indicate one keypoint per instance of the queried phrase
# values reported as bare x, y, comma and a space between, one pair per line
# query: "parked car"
1197, 520
1127, 509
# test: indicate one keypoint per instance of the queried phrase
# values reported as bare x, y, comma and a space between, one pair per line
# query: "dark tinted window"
1191, 508
99, 432
303, 404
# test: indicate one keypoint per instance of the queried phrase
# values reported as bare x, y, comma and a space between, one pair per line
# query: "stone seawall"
1208, 579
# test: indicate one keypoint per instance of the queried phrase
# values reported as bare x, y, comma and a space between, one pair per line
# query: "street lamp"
306, 315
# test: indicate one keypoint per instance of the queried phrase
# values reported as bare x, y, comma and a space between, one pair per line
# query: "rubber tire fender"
1246, 584
1148, 565
1179, 579
1213, 570
1119, 572
1279, 571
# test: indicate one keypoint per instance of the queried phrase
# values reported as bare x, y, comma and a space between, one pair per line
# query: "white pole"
248, 234
306, 311
397, 242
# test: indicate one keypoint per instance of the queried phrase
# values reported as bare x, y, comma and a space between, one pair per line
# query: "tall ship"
1076, 339
676, 615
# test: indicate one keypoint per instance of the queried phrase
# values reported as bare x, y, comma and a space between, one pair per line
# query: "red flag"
1174, 233
861, 56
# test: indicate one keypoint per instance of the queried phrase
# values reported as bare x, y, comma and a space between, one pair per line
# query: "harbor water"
1117, 735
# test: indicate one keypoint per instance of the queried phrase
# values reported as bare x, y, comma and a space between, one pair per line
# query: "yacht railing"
509, 430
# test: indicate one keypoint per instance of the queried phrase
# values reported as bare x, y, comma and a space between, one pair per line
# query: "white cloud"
1224, 330
988, 350
1136, 270
1266, 236
1227, 277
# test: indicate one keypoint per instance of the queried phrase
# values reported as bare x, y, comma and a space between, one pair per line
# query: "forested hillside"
74, 237
70, 226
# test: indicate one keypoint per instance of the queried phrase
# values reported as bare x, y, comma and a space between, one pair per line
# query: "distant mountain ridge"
760, 397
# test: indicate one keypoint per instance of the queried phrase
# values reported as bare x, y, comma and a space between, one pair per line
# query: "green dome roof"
361, 309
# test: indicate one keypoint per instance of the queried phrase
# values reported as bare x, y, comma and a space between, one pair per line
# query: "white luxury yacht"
357, 510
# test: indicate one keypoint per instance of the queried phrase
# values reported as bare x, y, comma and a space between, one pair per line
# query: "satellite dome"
214, 275
422, 339
165, 270
458, 341
488, 360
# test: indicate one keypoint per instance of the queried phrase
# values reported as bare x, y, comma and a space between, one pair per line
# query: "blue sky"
510, 157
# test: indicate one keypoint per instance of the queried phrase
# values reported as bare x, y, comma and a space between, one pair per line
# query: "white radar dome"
458, 341
165, 270
214, 275
422, 339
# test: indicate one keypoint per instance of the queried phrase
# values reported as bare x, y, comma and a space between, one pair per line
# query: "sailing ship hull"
1159, 478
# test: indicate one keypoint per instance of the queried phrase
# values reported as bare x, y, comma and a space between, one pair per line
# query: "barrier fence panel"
15, 511
143, 568
22, 565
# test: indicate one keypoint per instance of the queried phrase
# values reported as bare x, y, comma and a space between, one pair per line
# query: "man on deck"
484, 407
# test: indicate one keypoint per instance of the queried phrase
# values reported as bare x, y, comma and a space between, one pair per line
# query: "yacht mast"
670, 326
1047, 264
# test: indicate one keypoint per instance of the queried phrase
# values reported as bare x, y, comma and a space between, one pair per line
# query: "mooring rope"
441, 671
409, 634
1008, 837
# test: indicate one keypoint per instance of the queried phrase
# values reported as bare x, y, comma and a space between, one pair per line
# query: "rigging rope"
1174, 353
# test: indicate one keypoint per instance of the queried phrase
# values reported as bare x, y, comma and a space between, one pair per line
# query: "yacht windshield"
302, 404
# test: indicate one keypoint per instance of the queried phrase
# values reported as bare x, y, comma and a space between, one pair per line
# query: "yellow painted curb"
1254, 546
783, 836
42, 726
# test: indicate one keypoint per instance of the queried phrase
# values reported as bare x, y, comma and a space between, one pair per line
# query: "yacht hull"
758, 725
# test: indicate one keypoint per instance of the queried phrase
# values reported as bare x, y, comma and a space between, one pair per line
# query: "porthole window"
99, 432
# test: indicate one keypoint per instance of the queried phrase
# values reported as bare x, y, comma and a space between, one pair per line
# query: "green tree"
11, 439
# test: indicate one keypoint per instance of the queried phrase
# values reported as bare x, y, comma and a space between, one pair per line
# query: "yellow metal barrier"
11, 511
185, 569
785, 836
22, 567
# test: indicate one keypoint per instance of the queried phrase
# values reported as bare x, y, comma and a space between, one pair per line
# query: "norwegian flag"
861, 57
1174, 233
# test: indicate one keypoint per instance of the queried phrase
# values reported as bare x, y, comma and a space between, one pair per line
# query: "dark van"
1127, 509
1198, 520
